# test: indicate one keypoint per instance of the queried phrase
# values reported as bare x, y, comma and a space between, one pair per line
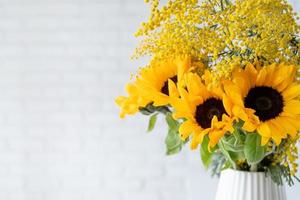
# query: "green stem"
226, 153
253, 168
228, 3
222, 5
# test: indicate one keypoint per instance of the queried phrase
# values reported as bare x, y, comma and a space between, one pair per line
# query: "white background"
62, 63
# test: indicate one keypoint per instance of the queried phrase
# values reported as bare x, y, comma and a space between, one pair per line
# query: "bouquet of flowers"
224, 74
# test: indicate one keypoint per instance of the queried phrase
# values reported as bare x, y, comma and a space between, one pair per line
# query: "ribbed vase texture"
239, 185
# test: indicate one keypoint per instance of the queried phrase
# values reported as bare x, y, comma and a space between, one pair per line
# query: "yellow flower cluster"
219, 64
221, 33
288, 155
165, 37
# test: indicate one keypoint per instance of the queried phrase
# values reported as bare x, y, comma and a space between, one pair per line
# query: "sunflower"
266, 99
154, 84
203, 111
158, 82
131, 104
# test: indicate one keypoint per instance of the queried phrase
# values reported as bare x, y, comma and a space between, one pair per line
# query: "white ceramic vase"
239, 185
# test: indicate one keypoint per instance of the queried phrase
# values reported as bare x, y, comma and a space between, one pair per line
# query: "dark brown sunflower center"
206, 111
165, 88
266, 101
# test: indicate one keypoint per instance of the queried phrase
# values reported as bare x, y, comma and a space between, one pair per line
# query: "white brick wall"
62, 62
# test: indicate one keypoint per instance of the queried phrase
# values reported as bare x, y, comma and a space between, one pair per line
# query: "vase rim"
245, 172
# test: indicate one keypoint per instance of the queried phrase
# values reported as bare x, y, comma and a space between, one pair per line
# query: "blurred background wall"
62, 62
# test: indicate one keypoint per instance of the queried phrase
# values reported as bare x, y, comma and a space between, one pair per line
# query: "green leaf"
226, 153
238, 132
226, 165
150, 109
232, 144
152, 122
280, 173
235, 156
253, 150
206, 155
218, 163
275, 172
172, 123
163, 109
173, 143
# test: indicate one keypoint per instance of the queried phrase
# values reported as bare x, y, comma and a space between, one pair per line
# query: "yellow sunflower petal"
287, 128
264, 140
292, 107
183, 93
251, 72
198, 138
278, 128
240, 113
275, 132
280, 75
131, 89
186, 129
248, 126
295, 121
183, 63
214, 122
173, 92
291, 92
242, 80
264, 130
287, 76
261, 77
182, 109
215, 136
194, 84
120, 100
233, 92
277, 139
271, 70
227, 104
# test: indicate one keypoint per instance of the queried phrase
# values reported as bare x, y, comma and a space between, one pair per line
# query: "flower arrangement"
224, 74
